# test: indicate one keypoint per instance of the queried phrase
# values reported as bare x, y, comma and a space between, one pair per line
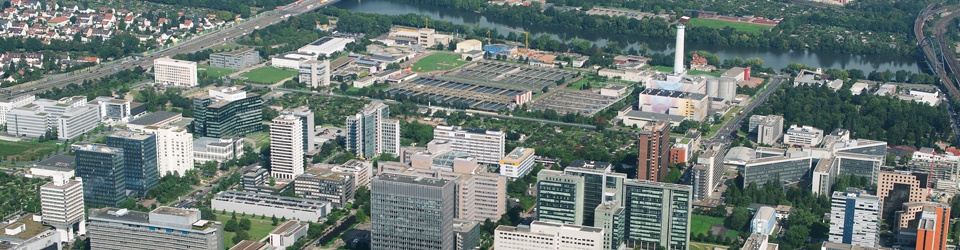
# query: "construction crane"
526, 45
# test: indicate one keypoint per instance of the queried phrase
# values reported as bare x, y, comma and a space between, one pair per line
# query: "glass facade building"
560, 197
139, 160
657, 214
412, 212
102, 170
238, 113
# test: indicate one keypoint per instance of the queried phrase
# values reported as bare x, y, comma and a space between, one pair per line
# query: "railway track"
946, 58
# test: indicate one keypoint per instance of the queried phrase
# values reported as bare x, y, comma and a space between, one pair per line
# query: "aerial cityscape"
479, 124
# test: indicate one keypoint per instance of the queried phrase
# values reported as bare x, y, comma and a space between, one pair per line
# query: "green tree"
739, 219
231, 226
245, 224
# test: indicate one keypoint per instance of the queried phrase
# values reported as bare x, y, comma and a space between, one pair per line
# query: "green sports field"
214, 71
268, 75
720, 24
438, 61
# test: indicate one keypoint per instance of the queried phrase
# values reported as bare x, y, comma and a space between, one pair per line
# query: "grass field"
582, 81
259, 228
214, 71
720, 24
689, 72
438, 61
268, 75
26, 150
262, 138
701, 224
705, 246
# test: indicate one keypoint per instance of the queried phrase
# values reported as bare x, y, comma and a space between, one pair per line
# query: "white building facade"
485, 145
548, 235
174, 149
286, 147
172, 72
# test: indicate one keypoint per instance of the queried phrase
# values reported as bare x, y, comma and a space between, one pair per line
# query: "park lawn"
262, 138
268, 75
689, 72
700, 224
26, 150
215, 71
438, 61
259, 228
720, 24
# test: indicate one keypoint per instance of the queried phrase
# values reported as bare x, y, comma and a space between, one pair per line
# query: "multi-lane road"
192, 45
724, 134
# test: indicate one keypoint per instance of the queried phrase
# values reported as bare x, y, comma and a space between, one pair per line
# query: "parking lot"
581, 102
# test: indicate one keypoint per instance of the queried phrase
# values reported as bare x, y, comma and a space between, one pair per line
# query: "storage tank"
728, 88
713, 87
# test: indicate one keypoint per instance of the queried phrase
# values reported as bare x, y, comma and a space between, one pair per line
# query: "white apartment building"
315, 73
286, 147
70, 116
486, 145
61, 203
806, 136
13, 102
517, 163
548, 235
855, 218
174, 72
174, 149
217, 149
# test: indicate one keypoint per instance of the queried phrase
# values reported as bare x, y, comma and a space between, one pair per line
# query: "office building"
708, 172
139, 160
371, 133
326, 46
764, 221
288, 233
286, 147
600, 184
759, 242
217, 149
362, 171
10, 103
253, 176
412, 212
315, 73
823, 176
783, 168
115, 110
176, 73
467, 234
611, 217
859, 165
485, 145
855, 218
271, 205
653, 144
307, 123
227, 111
657, 214
518, 162
163, 228
174, 149
326, 185
156, 119
27, 233
103, 174
925, 227
806, 136
70, 117
61, 203
560, 197
56, 166
237, 59
548, 235
769, 129
691, 106
897, 188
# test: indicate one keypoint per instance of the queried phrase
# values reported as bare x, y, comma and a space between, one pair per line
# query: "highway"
192, 45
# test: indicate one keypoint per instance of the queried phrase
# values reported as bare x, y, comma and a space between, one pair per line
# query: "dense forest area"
867, 116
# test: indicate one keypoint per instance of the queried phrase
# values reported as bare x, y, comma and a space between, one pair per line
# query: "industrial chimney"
678, 57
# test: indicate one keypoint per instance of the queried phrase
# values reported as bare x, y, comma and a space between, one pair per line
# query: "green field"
438, 61
268, 75
582, 81
214, 71
262, 138
689, 72
259, 228
720, 24
26, 150
700, 224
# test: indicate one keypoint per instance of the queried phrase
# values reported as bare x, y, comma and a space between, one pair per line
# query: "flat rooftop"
131, 135
175, 211
59, 162
121, 215
418, 180
31, 228
154, 118
673, 94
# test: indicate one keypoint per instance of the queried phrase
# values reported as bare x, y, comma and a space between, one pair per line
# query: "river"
771, 57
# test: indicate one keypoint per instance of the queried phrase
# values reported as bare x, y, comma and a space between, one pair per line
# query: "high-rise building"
163, 228
227, 111
172, 72
897, 188
560, 197
548, 235
174, 149
486, 145
103, 174
769, 129
932, 226
286, 147
764, 221
306, 121
139, 160
371, 133
600, 184
708, 171
315, 73
657, 214
611, 217
654, 151
855, 218
69, 116
467, 233
411, 212
61, 203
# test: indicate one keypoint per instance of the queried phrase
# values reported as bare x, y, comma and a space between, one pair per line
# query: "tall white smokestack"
678, 58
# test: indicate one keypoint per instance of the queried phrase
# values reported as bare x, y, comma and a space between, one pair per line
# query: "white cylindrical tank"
713, 87
728, 88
